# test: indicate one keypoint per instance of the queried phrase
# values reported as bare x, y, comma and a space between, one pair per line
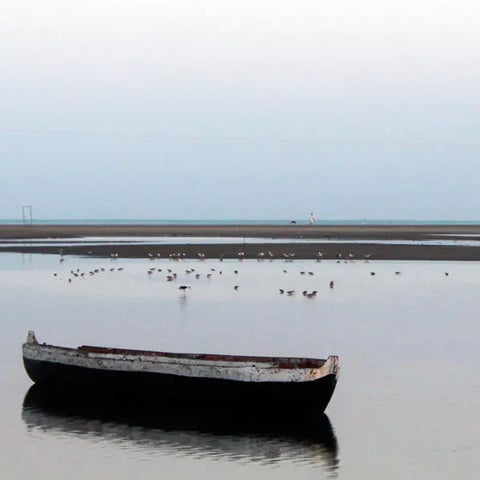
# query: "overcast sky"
240, 109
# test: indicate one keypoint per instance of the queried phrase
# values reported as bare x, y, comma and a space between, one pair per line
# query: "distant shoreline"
234, 222
278, 250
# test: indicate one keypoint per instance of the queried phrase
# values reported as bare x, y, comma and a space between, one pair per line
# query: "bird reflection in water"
270, 437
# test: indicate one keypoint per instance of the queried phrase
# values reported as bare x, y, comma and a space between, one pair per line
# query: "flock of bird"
172, 276
78, 274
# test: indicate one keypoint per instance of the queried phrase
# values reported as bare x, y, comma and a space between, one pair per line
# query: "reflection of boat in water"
306, 437
186, 377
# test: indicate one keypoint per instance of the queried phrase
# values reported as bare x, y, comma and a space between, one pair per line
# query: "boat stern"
333, 365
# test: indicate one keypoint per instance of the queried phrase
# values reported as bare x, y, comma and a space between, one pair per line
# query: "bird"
290, 292
372, 273
446, 274
184, 287
332, 283
282, 291
235, 287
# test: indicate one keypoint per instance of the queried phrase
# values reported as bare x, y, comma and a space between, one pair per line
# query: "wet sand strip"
267, 251
385, 232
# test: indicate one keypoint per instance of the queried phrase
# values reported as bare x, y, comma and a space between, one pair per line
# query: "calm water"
465, 240
407, 404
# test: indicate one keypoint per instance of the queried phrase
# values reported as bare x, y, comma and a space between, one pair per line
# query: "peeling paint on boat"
222, 367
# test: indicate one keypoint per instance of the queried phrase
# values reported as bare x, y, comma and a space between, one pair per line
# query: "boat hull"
137, 375
169, 388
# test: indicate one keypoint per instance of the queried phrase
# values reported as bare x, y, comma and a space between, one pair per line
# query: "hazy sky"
193, 109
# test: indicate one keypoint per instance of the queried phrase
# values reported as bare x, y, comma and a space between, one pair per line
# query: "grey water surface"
407, 404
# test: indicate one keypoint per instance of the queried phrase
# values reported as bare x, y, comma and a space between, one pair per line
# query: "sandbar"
286, 238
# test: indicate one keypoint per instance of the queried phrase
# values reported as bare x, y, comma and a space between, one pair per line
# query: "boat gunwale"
279, 362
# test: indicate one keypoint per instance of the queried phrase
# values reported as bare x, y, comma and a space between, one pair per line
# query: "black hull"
174, 389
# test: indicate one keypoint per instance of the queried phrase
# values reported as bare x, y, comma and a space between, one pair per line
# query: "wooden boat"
250, 380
